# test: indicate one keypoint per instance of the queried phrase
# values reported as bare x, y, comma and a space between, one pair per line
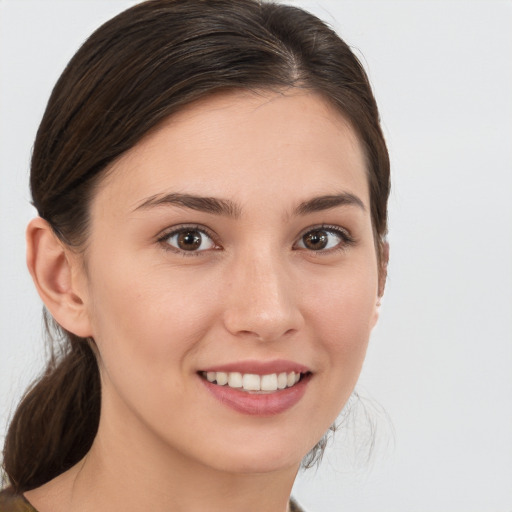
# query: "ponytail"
56, 422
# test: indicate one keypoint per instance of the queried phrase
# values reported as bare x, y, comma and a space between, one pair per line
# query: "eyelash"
346, 239
183, 229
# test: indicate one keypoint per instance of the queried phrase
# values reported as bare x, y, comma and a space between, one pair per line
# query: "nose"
261, 303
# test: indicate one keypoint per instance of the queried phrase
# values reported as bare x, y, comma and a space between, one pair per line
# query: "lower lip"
256, 404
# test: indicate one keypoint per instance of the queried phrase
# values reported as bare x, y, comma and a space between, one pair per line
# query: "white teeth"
269, 382
252, 382
234, 380
222, 378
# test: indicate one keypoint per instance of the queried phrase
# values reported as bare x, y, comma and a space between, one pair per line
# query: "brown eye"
316, 240
323, 239
190, 240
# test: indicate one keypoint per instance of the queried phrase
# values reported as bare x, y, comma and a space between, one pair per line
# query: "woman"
211, 182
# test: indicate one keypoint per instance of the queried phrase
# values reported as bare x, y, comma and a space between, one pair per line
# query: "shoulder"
10, 502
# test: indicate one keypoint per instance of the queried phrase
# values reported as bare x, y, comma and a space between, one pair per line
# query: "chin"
258, 464
269, 455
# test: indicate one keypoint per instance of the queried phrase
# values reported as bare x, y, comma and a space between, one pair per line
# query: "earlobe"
55, 274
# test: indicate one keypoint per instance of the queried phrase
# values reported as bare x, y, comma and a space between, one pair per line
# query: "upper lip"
259, 367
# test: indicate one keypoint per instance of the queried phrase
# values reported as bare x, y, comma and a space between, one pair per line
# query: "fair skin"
275, 279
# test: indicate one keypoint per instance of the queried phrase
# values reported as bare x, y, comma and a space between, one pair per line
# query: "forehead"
243, 145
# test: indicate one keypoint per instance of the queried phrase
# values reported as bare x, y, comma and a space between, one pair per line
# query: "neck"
180, 486
138, 472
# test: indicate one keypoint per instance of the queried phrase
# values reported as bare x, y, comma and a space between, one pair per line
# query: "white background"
440, 361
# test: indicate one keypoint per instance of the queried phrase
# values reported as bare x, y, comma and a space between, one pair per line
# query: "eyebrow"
199, 203
318, 204
230, 209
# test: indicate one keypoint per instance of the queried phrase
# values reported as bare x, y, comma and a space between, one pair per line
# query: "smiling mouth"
253, 383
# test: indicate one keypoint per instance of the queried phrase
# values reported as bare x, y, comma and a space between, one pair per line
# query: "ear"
383, 274
58, 276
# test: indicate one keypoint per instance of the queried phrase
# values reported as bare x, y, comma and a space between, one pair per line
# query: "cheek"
344, 302
344, 336
342, 314
154, 317
146, 328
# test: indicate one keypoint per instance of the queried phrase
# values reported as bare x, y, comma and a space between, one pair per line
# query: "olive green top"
14, 503
17, 503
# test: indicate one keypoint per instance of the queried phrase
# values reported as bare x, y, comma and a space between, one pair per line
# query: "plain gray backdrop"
440, 360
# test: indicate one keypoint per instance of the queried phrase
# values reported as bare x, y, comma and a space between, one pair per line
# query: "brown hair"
132, 73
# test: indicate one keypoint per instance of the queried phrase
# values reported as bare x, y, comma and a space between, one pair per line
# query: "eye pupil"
189, 240
316, 240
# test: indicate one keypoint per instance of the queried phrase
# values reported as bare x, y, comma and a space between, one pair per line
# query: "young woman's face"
233, 244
